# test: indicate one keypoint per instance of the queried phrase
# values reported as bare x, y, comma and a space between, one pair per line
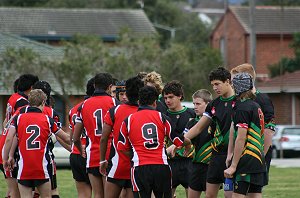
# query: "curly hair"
174, 87
220, 73
155, 79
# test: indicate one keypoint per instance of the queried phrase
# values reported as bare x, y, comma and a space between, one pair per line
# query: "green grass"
284, 183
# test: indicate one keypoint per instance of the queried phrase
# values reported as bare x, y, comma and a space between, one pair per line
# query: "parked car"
287, 138
61, 155
188, 104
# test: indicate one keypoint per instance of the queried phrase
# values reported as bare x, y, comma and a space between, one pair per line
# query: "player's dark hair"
16, 85
115, 81
103, 81
90, 89
174, 87
220, 73
45, 87
147, 95
26, 81
133, 86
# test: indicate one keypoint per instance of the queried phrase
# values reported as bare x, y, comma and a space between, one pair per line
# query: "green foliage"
287, 64
17, 61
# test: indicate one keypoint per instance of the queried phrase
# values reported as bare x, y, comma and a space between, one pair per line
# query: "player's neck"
177, 108
228, 94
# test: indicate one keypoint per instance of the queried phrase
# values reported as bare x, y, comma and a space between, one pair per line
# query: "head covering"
242, 82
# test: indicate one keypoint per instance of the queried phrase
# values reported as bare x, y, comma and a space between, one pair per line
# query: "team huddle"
134, 138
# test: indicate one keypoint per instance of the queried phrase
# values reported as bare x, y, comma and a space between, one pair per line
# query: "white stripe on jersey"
20, 165
114, 161
45, 162
135, 157
88, 152
164, 156
207, 115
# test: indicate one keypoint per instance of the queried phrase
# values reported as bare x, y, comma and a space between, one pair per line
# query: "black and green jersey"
248, 115
220, 111
202, 144
179, 120
267, 108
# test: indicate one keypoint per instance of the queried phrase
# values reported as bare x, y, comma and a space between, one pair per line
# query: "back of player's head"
154, 78
147, 95
133, 86
174, 87
90, 89
204, 94
103, 81
26, 81
220, 73
142, 75
246, 67
242, 82
16, 85
36, 97
44, 86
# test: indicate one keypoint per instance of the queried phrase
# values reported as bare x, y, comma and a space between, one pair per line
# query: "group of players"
137, 140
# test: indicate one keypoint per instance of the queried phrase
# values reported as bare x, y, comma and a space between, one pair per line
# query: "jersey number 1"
99, 124
31, 142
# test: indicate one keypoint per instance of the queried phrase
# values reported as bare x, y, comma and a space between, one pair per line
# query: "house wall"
238, 46
283, 108
235, 37
268, 51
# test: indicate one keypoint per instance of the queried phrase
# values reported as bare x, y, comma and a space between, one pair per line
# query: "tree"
288, 64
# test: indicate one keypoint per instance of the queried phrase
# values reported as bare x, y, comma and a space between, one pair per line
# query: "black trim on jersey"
112, 113
266, 105
33, 109
100, 92
146, 107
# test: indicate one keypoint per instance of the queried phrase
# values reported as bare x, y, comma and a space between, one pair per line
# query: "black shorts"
78, 167
197, 176
122, 183
248, 183
180, 171
32, 183
148, 178
52, 176
94, 171
216, 167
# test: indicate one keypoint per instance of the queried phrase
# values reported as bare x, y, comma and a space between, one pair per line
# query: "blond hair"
36, 97
204, 94
246, 67
154, 78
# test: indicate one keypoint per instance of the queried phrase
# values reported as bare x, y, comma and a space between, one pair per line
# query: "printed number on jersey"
31, 142
150, 135
99, 122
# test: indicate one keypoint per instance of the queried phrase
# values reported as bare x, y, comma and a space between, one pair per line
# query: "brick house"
269, 48
271, 23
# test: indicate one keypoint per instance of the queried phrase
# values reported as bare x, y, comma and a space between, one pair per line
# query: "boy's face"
220, 87
199, 106
173, 102
113, 91
123, 97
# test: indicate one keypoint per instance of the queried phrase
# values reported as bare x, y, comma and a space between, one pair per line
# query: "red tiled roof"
289, 83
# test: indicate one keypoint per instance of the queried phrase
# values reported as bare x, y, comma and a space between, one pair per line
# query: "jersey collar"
34, 110
145, 108
100, 92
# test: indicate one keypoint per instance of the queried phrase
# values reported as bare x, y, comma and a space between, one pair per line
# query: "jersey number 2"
150, 135
31, 142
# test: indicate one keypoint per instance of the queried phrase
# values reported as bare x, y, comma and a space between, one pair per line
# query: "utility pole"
252, 33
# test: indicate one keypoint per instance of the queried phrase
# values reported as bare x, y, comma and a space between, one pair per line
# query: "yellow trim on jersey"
252, 154
254, 140
254, 147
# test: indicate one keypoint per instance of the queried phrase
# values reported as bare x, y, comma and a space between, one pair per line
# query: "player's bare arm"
106, 131
198, 128
237, 153
230, 146
64, 144
76, 136
8, 145
268, 139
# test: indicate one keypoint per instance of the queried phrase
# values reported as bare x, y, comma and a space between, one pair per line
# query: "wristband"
101, 162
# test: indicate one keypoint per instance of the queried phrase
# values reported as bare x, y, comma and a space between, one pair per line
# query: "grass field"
284, 183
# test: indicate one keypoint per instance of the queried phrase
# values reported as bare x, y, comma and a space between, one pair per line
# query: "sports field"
284, 183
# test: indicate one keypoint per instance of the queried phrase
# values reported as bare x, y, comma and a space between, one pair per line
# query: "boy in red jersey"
19, 99
33, 129
118, 175
77, 162
90, 117
143, 132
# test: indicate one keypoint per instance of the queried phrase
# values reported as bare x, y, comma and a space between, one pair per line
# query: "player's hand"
228, 160
228, 173
171, 150
11, 162
103, 167
187, 150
